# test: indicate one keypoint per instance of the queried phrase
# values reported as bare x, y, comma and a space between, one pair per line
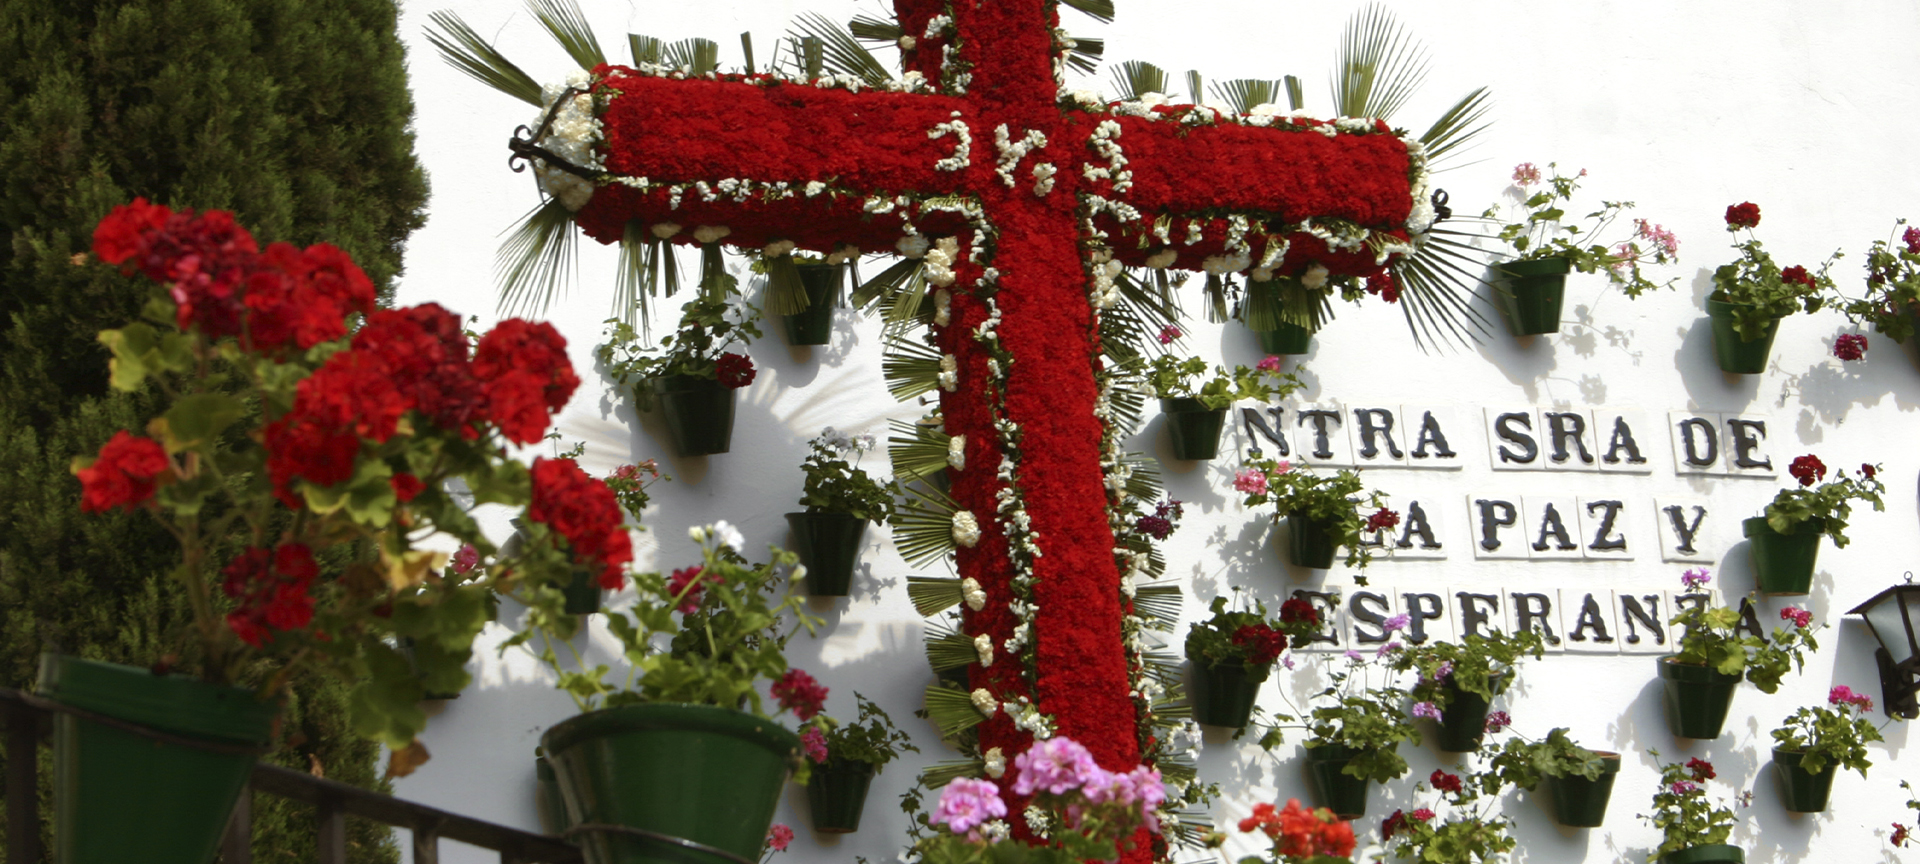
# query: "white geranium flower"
729, 536
996, 830
966, 529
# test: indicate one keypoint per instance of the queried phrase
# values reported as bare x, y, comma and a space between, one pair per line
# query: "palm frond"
916, 450
1129, 409
565, 23
1191, 827
786, 294
465, 50
951, 710
1144, 484
1379, 65
698, 56
647, 50
1159, 602
1164, 667
536, 260
910, 368
1172, 711
870, 29
1267, 305
923, 525
885, 286
1434, 295
629, 293
1456, 127
1244, 93
843, 54
932, 595
1296, 100
1195, 86
950, 651
1086, 53
1101, 10
1136, 78
939, 774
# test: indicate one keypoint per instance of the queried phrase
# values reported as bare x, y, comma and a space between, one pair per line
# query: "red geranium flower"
405, 486
688, 579
1382, 519
124, 475
1264, 644
1866, 470
272, 589
1911, 237
523, 369
1702, 770
1807, 469
1444, 782
1746, 215
734, 370
1850, 346
1297, 610
582, 510
1797, 274
1393, 825
800, 693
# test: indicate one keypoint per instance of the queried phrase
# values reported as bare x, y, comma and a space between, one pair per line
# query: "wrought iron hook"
1441, 212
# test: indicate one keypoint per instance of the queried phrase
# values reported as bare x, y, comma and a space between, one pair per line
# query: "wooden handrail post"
426, 842
23, 783
237, 846
332, 824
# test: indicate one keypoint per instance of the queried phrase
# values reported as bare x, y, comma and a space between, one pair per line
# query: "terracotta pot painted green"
1333, 788
698, 772
698, 412
1718, 853
828, 544
1194, 428
1223, 695
1285, 339
1697, 698
814, 325
1783, 563
1531, 294
1310, 544
1464, 721
1582, 803
120, 797
837, 793
546, 798
1801, 790
1736, 355
583, 594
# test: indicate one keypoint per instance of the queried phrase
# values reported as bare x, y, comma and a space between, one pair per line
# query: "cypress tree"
293, 114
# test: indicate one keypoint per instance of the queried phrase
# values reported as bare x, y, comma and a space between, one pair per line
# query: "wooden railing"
29, 722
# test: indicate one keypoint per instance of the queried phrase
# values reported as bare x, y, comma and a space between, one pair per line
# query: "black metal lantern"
1894, 617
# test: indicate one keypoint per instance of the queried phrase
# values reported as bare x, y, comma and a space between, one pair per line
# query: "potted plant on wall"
1694, 830
815, 277
691, 373
846, 756
1786, 541
303, 449
1355, 727
1077, 811
1300, 836
1816, 742
1546, 247
1323, 512
1233, 653
1578, 781
1699, 681
1752, 294
840, 499
1465, 836
679, 744
1892, 297
1460, 680
1196, 414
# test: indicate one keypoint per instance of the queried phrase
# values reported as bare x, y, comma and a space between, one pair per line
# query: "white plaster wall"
1804, 108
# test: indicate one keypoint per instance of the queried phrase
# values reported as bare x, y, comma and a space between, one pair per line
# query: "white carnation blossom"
942, 307
573, 136
1261, 274
949, 373
1089, 98
843, 253
940, 260
664, 230
957, 452
938, 24
1163, 259
1151, 690
972, 594
1154, 100
983, 646
984, 702
966, 529
711, 233
996, 763
962, 148
1315, 277
815, 187
913, 245
1221, 265
913, 80
907, 43
1043, 178
778, 248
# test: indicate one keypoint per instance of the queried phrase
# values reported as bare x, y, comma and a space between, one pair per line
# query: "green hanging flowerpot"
1284, 339
1464, 721
698, 412
120, 797
546, 798
837, 793
814, 325
696, 772
1697, 698
1531, 294
1224, 693
1716, 853
1737, 355
1579, 802
1801, 790
1783, 563
828, 544
1194, 428
1333, 788
955, 675
583, 594
1310, 543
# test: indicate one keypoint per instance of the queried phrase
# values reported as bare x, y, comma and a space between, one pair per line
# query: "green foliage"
1760, 294
709, 325
1835, 734
629, 484
1830, 502
835, 485
1353, 713
1463, 840
1683, 813
1334, 501
1709, 638
1543, 232
1893, 288
1170, 378
873, 739
1523, 762
1472, 665
1214, 641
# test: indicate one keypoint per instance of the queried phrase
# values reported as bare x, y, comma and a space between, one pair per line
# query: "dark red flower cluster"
800, 693
350, 397
1702, 770
1745, 215
1401, 820
424, 350
681, 580
1911, 237
1867, 470
1807, 469
1850, 346
1298, 833
1443, 782
1900, 832
1297, 610
1382, 519
1797, 275
124, 475
734, 370
582, 510
525, 375
1383, 285
273, 590
1264, 644
406, 486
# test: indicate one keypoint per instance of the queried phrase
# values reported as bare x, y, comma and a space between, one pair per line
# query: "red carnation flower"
1702, 770
1745, 215
1384, 286
1444, 782
124, 475
405, 486
1807, 469
800, 693
1264, 644
1850, 346
584, 512
1297, 610
734, 370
